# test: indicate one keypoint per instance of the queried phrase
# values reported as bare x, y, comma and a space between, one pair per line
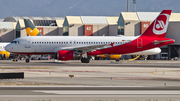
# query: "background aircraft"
3, 53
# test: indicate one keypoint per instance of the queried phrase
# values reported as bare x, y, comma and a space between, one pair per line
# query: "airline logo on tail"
31, 32
160, 24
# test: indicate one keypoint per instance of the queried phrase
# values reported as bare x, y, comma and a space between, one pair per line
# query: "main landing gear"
85, 60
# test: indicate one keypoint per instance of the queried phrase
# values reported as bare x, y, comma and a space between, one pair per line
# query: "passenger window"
32, 42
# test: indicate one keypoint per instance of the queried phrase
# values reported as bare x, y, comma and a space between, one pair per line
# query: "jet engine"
65, 55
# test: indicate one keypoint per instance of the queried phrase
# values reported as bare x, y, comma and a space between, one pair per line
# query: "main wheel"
86, 60
27, 60
82, 60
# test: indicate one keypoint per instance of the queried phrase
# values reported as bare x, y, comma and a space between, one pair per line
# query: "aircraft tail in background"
31, 30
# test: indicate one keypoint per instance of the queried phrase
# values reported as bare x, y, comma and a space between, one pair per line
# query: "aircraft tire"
82, 60
86, 60
27, 60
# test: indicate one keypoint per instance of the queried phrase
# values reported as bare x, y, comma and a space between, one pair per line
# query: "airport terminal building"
127, 24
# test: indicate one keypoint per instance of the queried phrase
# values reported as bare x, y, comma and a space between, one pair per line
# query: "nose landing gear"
27, 60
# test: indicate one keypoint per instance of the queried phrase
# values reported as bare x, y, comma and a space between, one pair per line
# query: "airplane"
29, 26
3, 53
67, 47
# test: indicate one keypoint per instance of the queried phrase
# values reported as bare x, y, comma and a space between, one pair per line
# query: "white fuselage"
51, 44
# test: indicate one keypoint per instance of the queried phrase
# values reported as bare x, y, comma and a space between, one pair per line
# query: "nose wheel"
27, 60
85, 60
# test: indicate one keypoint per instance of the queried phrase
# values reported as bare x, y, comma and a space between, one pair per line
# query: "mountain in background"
62, 8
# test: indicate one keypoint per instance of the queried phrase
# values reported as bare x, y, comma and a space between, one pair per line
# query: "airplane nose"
7, 48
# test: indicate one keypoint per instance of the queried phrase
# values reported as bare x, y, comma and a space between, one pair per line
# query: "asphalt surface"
89, 93
98, 80
101, 63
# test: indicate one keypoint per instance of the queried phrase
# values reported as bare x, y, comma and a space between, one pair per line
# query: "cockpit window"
15, 42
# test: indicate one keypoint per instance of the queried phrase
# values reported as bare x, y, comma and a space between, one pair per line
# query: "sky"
62, 8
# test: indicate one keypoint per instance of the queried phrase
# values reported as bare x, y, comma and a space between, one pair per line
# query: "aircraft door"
27, 43
139, 43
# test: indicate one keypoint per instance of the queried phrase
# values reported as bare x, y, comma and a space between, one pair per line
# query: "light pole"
127, 5
134, 1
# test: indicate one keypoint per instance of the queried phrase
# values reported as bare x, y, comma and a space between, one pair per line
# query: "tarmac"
132, 80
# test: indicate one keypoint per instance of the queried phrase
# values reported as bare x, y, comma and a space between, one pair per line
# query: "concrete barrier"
18, 75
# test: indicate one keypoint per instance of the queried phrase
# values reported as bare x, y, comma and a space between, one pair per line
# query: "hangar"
90, 26
48, 26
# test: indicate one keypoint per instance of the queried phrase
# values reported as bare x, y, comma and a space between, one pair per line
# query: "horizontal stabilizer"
157, 42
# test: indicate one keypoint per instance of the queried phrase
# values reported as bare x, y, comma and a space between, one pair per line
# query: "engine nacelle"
65, 55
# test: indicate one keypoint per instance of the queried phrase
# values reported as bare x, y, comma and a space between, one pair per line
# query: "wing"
84, 49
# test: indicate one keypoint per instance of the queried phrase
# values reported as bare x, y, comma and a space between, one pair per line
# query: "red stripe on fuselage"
132, 46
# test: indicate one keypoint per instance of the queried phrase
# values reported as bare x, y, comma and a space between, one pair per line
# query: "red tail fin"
159, 26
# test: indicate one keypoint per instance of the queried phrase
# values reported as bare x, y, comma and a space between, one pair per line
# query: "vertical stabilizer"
31, 30
159, 26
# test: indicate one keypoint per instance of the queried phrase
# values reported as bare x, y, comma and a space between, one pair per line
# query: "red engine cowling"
65, 55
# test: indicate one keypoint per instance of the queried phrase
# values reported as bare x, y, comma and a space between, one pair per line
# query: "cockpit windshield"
15, 42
